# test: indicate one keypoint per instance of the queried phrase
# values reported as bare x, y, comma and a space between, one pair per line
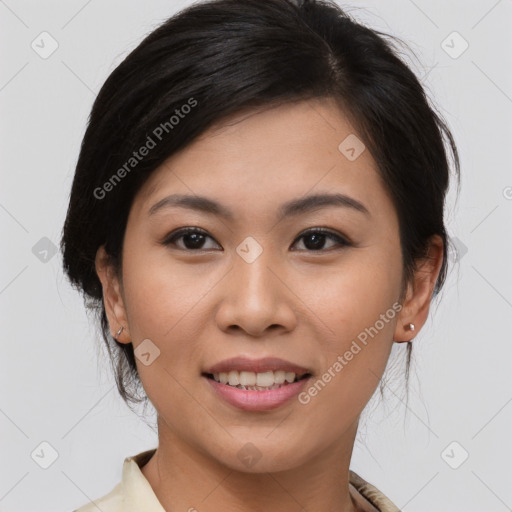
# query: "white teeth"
263, 379
247, 378
289, 376
279, 377
233, 378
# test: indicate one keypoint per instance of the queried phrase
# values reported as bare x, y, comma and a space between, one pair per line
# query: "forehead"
269, 155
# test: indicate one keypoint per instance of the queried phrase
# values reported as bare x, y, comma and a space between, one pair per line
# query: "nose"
256, 298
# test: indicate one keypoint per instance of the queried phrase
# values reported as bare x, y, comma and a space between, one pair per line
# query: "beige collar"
138, 494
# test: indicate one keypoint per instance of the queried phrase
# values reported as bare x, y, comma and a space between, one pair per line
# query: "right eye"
193, 239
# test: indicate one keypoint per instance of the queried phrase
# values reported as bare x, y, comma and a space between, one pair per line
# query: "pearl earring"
410, 327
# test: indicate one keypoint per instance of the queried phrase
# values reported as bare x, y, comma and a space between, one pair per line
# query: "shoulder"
381, 502
111, 502
133, 492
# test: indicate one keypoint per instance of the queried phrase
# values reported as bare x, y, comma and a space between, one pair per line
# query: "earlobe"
112, 297
419, 293
403, 330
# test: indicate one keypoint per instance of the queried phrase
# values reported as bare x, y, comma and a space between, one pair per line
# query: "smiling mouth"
252, 381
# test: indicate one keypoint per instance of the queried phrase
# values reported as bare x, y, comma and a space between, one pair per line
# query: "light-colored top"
134, 493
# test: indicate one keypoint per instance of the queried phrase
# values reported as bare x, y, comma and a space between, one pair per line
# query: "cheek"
164, 304
353, 361
160, 292
359, 306
356, 293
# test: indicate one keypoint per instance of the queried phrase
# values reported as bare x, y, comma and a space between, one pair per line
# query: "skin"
200, 306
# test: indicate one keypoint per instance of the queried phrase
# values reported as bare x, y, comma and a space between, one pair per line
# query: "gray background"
55, 387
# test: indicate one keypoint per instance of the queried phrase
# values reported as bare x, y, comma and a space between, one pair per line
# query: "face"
317, 287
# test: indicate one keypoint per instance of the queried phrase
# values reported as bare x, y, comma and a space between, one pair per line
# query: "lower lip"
249, 400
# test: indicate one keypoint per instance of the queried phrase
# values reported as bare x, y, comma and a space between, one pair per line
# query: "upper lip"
265, 364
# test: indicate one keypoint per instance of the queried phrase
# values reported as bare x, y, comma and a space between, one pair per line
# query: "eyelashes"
195, 238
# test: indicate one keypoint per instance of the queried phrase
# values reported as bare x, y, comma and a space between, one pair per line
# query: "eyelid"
178, 233
341, 240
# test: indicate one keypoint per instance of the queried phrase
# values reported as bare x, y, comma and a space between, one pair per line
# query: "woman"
257, 211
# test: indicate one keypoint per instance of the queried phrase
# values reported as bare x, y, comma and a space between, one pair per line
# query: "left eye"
314, 239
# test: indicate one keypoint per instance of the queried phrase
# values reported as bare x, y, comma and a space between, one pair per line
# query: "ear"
416, 304
112, 297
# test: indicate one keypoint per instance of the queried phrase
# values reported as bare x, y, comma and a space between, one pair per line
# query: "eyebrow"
291, 208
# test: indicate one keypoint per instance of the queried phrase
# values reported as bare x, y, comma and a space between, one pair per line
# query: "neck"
185, 478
